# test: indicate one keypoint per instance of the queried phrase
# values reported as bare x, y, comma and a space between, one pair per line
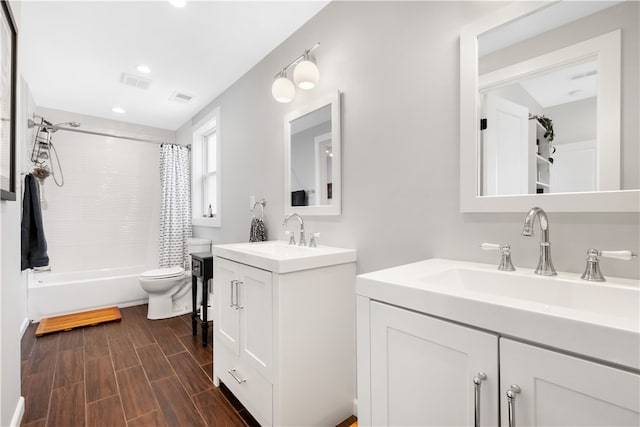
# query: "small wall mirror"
547, 93
312, 184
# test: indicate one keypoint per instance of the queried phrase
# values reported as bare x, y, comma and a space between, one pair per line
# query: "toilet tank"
195, 244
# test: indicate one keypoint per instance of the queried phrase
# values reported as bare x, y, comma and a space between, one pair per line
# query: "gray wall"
397, 64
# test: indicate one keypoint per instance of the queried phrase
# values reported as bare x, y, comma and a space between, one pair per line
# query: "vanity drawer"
251, 388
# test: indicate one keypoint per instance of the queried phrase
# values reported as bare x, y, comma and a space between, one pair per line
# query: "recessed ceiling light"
118, 110
178, 3
144, 69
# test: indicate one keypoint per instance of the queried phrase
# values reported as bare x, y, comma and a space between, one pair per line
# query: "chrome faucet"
545, 266
292, 241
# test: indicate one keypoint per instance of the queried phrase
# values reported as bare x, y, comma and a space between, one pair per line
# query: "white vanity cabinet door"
561, 390
256, 319
422, 370
244, 313
227, 318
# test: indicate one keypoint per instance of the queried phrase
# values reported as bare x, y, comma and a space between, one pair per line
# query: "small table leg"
194, 309
205, 311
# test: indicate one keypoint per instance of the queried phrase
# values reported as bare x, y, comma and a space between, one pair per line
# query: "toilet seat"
163, 273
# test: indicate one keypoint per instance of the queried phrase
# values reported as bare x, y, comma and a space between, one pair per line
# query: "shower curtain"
175, 210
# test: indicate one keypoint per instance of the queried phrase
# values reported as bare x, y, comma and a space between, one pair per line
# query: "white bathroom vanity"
444, 342
284, 338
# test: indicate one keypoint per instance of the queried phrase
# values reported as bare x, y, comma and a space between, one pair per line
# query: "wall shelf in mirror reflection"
574, 72
312, 166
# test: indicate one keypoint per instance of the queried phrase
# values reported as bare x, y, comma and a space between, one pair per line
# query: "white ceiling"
74, 53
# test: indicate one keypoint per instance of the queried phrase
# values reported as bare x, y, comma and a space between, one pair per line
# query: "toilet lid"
163, 273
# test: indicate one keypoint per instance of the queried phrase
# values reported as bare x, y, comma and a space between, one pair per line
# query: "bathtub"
52, 294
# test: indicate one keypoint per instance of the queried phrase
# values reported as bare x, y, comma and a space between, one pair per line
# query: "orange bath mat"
76, 320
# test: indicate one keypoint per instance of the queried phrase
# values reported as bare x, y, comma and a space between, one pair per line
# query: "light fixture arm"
302, 57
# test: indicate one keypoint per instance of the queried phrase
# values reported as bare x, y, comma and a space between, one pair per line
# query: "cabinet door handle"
232, 372
238, 306
477, 382
511, 403
232, 283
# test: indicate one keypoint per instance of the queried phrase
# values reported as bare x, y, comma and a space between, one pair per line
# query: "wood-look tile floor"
136, 372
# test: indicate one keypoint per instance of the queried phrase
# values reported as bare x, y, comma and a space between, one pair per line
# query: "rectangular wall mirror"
312, 166
548, 91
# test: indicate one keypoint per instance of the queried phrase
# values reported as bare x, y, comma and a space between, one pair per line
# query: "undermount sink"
280, 257
598, 319
610, 298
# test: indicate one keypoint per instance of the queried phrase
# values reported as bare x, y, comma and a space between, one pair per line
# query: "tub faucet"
302, 242
545, 266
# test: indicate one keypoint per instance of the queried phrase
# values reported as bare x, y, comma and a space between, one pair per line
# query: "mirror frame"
470, 200
335, 208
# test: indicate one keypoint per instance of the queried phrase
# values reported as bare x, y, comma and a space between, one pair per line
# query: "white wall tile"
107, 213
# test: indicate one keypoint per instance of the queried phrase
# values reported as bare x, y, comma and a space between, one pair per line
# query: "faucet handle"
489, 246
505, 251
292, 237
592, 270
623, 255
312, 241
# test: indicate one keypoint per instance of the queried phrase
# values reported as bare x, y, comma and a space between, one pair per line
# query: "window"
205, 170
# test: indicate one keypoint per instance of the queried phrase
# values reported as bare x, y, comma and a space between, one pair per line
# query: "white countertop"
599, 320
280, 257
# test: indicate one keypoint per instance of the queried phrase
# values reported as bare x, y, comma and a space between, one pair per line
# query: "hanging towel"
34, 243
258, 231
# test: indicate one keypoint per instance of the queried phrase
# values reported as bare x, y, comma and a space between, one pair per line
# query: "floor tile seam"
150, 387
146, 413
84, 376
113, 358
132, 366
102, 398
195, 405
166, 360
67, 385
53, 378
196, 363
175, 337
185, 393
189, 395
233, 408
115, 379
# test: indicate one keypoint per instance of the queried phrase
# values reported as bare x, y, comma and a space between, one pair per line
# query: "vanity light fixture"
305, 75
282, 88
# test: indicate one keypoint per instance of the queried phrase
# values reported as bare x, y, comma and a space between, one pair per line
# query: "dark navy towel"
34, 244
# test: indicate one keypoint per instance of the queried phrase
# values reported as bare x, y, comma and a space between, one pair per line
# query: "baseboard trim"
24, 326
16, 420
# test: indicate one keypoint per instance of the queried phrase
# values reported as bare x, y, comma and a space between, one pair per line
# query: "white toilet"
169, 289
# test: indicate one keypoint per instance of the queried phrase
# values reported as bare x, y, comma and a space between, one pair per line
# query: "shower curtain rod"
90, 132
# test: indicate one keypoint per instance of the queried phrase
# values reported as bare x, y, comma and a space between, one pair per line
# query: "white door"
323, 156
256, 319
505, 148
560, 390
574, 167
227, 317
422, 370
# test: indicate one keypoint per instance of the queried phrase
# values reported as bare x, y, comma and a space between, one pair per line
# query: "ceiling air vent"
135, 81
180, 97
